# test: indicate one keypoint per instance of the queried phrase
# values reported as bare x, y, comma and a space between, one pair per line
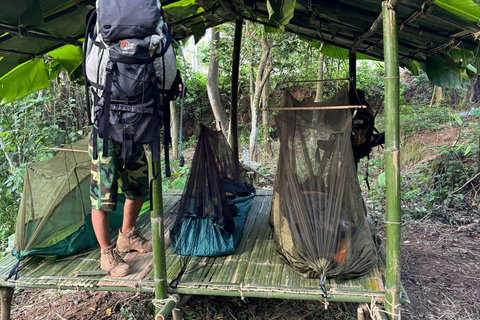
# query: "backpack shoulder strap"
91, 20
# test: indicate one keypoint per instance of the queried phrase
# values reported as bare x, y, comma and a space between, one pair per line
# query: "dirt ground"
440, 272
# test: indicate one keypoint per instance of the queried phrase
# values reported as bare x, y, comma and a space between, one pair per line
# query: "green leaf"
24, 79
198, 31
413, 66
179, 183
440, 74
182, 9
465, 9
467, 150
69, 56
342, 54
9, 62
381, 179
269, 29
457, 118
280, 12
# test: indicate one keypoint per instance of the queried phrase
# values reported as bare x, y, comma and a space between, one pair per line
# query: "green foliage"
448, 172
196, 107
414, 118
178, 178
45, 119
370, 80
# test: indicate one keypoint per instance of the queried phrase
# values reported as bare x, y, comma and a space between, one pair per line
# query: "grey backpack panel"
127, 19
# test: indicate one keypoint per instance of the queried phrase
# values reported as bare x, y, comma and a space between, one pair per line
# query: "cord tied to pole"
323, 280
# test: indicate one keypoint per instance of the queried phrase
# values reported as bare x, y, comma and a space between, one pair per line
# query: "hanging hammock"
215, 203
318, 215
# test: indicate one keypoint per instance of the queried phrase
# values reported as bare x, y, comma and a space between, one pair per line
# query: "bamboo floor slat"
254, 267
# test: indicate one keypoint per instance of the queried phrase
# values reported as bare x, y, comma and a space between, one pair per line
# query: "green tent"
54, 213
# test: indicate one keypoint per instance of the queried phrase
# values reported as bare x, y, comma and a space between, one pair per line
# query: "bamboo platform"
253, 270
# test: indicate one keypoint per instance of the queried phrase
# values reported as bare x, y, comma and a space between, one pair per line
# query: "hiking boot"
133, 241
111, 261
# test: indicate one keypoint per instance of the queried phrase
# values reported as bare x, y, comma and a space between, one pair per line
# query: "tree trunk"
319, 95
338, 75
263, 73
212, 86
439, 96
11, 162
175, 125
266, 118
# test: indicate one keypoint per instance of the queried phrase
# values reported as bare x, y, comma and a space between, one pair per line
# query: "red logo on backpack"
124, 43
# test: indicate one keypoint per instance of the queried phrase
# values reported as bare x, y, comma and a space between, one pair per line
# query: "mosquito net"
318, 214
215, 203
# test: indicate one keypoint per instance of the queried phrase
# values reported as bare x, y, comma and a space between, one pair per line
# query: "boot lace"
137, 233
115, 256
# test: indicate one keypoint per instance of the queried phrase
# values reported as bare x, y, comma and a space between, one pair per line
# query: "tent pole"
233, 135
352, 74
158, 239
392, 161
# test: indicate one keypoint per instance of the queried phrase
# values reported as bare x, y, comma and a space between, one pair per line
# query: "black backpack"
364, 134
130, 70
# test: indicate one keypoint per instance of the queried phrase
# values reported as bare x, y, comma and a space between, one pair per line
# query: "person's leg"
101, 228
103, 194
134, 183
131, 210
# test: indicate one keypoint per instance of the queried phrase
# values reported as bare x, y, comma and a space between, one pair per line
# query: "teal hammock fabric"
202, 237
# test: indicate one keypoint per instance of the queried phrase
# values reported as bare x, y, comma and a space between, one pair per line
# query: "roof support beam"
35, 34
7, 52
392, 160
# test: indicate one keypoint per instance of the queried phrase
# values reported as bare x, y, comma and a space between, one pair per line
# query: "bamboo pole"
392, 161
166, 310
6, 294
158, 238
233, 135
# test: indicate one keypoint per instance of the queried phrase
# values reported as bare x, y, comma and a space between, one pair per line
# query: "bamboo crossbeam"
65, 149
319, 108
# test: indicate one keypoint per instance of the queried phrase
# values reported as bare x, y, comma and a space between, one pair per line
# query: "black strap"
107, 93
94, 143
156, 107
166, 136
127, 143
366, 173
164, 47
90, 23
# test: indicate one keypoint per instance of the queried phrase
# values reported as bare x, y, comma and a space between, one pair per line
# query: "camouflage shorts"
108, 173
